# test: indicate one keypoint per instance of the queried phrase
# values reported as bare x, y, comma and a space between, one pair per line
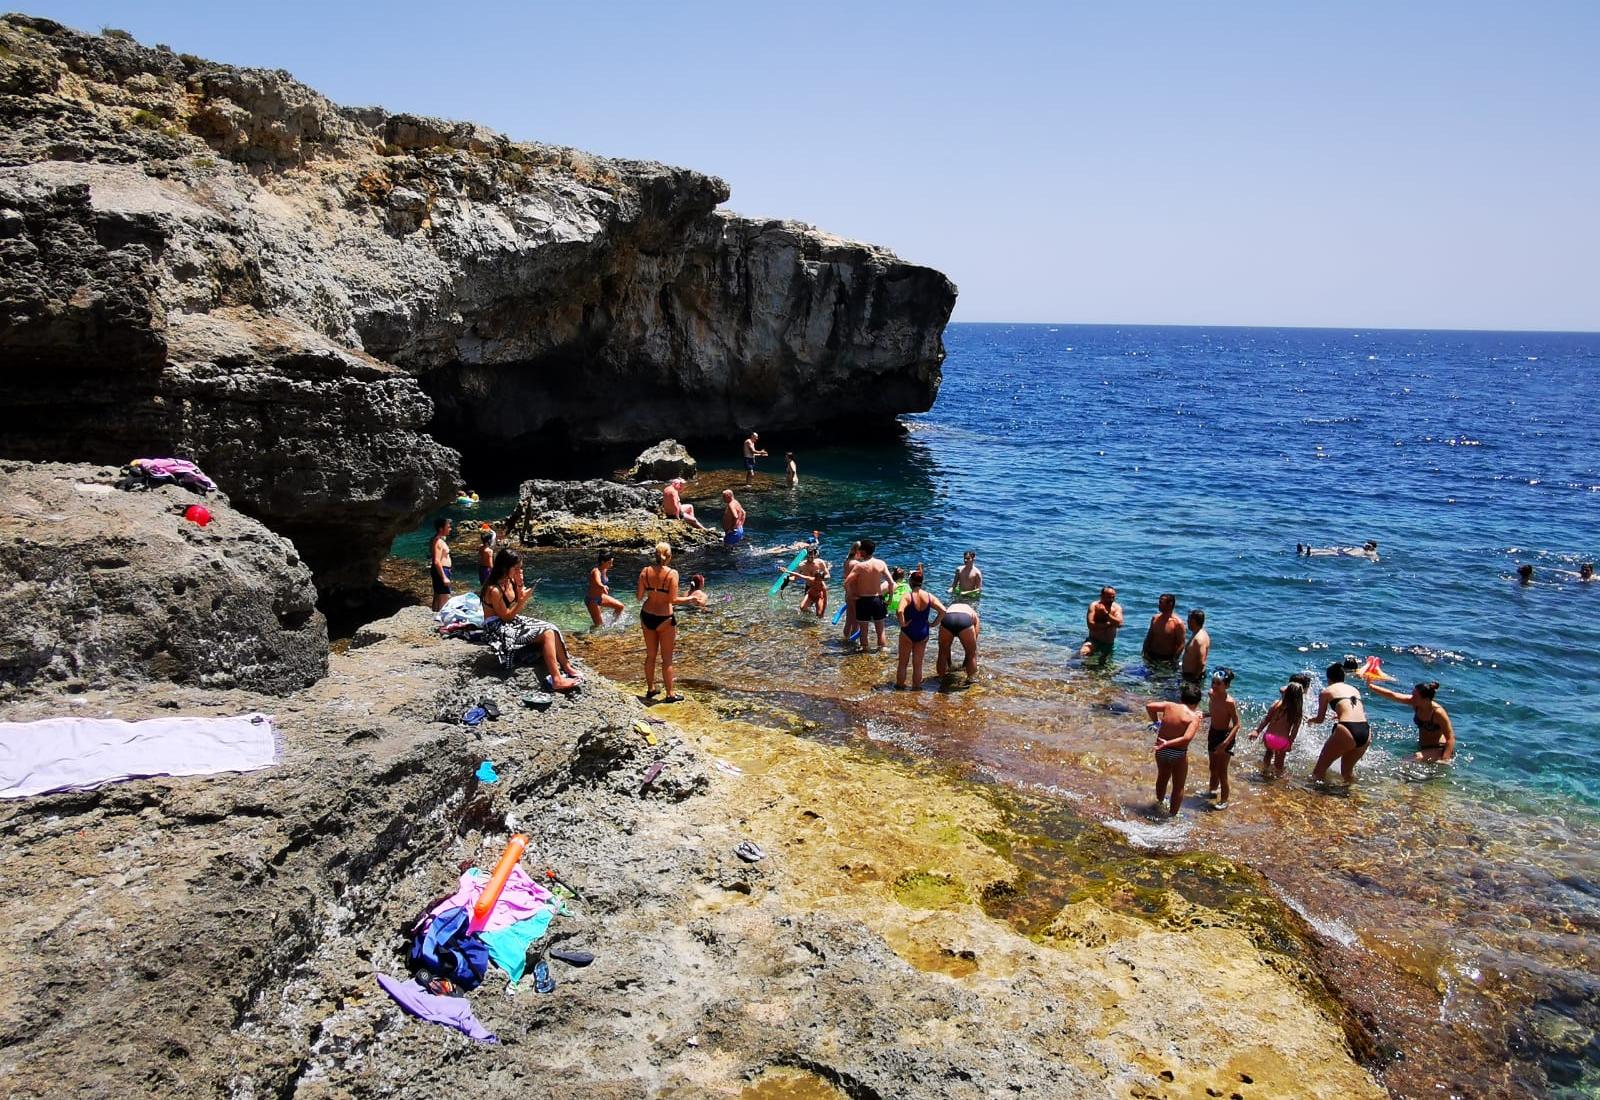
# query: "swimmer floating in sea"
1369, 550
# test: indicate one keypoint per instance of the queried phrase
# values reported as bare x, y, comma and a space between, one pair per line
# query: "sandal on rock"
749, 851
490, 708
571, 958
473, 716
674, 698
542, 981
652, 693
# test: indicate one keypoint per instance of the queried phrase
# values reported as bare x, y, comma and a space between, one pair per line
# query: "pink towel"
521, 899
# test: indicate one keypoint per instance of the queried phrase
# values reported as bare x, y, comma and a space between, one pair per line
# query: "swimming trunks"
483, 575
916, 627
1215, 738
750, 465
734, 537
655, 622
1097, 648
1277, 742
1172, 754
1361, 731
871, 609
956, 621
441, 580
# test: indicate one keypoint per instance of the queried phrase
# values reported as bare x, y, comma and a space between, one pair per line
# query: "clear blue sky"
1367, 164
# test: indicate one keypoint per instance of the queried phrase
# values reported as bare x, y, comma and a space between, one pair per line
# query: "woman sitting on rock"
504, 596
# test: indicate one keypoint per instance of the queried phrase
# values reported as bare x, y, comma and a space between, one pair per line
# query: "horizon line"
1306, 328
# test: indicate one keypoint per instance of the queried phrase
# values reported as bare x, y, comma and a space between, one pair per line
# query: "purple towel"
450, 1011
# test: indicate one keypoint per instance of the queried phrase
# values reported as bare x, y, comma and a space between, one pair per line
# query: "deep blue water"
1192, 460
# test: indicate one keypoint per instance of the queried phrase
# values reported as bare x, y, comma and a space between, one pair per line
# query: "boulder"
663, 462
105, 584
598, 513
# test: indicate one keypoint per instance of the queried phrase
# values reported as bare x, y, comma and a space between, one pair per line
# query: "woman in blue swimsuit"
915, 613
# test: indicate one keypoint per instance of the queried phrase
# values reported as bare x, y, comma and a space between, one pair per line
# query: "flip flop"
539, 699
571, 958
650, 775
490, 708
473, 716
749, 851
672, 698
646, 732
542, 981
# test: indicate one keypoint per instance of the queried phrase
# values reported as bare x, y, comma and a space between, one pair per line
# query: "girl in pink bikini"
1282, 726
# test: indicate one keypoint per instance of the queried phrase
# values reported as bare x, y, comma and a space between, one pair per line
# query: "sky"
1402, 165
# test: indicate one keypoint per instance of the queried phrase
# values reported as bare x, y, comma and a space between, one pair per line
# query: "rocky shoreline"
333, 308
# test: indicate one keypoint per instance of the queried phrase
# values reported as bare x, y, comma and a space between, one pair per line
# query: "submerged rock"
106, 585
185, 246
663, 462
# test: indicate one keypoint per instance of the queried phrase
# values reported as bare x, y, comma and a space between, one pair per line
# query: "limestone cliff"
310, 300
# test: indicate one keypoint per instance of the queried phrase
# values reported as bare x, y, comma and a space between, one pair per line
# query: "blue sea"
1194, 460
1457, 901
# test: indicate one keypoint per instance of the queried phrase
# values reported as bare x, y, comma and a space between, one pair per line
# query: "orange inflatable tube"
497, 882
1373, 670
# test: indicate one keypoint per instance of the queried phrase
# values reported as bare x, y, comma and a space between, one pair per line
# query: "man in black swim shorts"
872, 581
439, 562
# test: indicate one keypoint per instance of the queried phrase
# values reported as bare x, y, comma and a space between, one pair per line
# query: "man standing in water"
1198, 649
751, 453
732, 519
1164, 640
871, 580
439, 562
968, 584
1105, 619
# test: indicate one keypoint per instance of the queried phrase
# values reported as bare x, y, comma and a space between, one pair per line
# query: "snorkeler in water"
1368, 550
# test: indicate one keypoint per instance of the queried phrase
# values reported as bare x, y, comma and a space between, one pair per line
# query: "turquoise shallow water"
1193, 460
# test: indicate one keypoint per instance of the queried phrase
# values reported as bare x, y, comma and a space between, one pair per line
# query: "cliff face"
223, 262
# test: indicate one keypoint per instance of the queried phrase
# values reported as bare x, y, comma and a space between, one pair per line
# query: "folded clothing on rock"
521, 916
74, 754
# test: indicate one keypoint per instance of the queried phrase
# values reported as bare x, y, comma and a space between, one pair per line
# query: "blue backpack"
446, 948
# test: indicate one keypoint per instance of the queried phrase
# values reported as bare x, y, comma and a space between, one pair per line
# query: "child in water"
599, 597
1224, 731
1282, 726
1177, 724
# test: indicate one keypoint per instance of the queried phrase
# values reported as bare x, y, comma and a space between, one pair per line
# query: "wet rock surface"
108, 585
188, 245
600, 513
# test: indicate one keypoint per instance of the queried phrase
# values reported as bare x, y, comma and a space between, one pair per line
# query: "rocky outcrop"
174, 231
592, 514
663, 462
107, 585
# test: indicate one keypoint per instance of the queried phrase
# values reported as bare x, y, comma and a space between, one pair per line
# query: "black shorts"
871, 609
441, 581
955, 622
1215, 738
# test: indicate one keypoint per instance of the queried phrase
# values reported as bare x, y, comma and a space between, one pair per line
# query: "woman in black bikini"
1436, 735
658, 592
1351, 732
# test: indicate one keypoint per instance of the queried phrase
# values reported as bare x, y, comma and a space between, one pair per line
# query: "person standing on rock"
872, 583
439, 562
1177, 724
673, 507
659, 600
733, 515
752, 452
